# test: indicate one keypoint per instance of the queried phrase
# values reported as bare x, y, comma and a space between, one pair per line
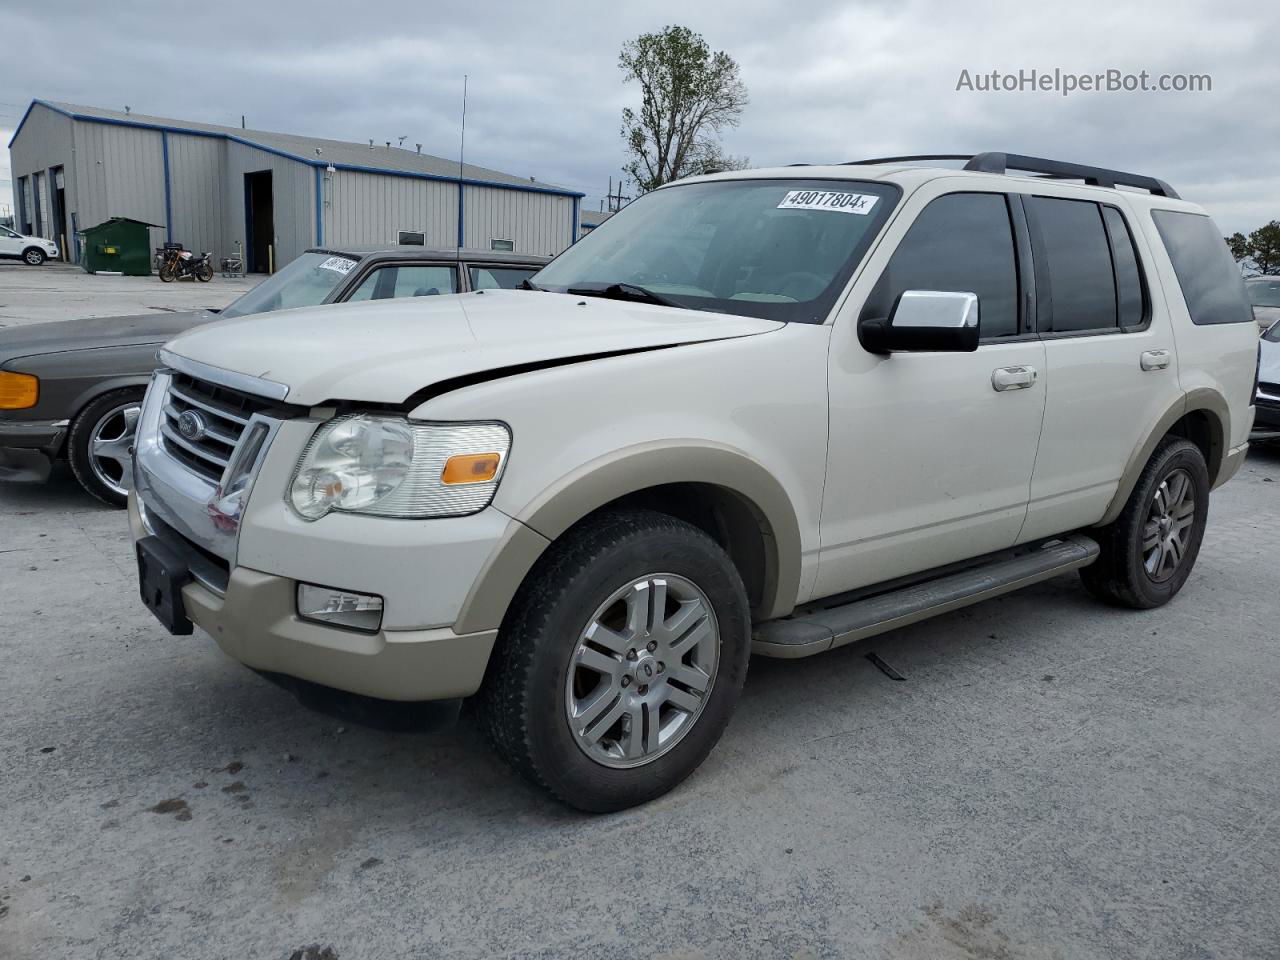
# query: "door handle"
1154, 360
1012, 378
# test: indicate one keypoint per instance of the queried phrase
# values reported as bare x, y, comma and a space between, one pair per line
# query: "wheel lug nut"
651, 646
644, 690
626, 681
661, 666
631, 654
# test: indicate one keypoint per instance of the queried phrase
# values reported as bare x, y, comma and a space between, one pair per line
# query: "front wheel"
33, 256
620, 662
168, 271
100, 447
1149, 550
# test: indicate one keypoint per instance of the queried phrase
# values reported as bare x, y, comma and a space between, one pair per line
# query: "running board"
804, 634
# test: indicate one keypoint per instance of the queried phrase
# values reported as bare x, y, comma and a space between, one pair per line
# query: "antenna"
462, 146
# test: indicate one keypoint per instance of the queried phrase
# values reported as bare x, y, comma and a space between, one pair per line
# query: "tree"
687, 96
1260, 251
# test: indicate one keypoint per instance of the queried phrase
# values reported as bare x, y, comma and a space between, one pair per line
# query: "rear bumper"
29, 449
1266, 418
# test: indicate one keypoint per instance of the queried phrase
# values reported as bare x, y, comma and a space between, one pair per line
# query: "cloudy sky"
828, 81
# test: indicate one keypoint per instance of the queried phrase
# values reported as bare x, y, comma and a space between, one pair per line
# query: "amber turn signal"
18, 391
471, 468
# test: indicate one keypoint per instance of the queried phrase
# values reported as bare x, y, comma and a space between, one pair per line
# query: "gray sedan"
72, 389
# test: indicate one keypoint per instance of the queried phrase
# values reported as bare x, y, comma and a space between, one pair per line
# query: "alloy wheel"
642, 671
1167, 531
111, 446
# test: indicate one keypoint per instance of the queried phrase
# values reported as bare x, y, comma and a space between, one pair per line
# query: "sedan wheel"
100, 447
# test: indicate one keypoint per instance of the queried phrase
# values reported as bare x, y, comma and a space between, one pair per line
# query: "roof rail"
1004, 162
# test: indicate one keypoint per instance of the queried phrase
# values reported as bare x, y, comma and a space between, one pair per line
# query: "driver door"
930, 454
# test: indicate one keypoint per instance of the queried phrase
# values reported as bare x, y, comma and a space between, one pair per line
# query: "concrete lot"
61, 291
1053, 779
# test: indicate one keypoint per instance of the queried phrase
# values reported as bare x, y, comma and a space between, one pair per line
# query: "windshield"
303, 283
778, 249
1264, 293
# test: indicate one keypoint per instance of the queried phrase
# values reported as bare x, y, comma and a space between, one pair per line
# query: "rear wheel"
1148, 552
33, 256
620, 662
100, 447
204, 272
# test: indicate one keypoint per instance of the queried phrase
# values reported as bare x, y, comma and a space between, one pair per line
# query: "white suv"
31, 250
772, 411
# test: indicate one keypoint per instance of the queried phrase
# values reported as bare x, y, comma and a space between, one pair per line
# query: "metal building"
274, 194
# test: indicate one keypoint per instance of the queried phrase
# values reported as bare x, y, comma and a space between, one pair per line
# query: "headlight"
391, 467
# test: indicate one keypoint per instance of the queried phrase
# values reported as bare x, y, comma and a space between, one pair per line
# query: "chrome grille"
223, 413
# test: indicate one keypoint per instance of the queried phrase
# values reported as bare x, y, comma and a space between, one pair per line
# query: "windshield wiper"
527, 284
624, 291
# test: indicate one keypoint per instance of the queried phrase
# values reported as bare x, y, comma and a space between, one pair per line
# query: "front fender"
631, 470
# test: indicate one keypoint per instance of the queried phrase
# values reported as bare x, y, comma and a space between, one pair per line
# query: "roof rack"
1057, 169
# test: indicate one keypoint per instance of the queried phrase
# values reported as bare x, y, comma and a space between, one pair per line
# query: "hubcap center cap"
644, 670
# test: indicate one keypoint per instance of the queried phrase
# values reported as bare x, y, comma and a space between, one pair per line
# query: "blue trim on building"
168, 193
573, 225
309, 161
319, 207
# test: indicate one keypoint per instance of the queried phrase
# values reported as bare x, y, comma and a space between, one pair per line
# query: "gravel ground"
1053, 779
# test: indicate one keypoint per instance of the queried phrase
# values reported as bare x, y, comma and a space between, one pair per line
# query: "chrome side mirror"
925, 320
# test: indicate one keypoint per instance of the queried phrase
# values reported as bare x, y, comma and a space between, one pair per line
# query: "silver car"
1264, 294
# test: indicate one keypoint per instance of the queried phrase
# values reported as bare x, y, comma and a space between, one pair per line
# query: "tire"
550, 646
101, 443
33, 256
205, 272
1149, 550
167, 271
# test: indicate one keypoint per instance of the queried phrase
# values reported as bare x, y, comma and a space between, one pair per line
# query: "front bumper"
255, 621
28, 449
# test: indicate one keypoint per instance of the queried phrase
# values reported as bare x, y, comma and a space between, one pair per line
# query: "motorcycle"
179, 263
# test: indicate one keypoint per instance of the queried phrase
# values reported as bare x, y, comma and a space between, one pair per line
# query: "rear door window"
1075, 285
1210, 280
416, 280
499, 278
960, 242
1131, 299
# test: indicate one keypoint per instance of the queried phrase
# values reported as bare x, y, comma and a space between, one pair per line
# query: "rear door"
10, 243
1109, 349
930, 455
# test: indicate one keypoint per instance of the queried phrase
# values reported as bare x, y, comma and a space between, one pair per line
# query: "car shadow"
60, 492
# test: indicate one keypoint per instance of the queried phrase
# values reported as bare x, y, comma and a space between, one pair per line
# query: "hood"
94, 332
383, 352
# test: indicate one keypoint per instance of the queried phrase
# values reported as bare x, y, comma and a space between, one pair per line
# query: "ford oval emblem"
191, 425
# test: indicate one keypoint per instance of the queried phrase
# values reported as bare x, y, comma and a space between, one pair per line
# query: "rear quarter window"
1211, 283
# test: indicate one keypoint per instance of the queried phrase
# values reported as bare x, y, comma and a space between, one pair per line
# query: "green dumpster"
118, 245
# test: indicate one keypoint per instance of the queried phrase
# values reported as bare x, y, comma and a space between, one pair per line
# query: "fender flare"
626, 471
1199, 399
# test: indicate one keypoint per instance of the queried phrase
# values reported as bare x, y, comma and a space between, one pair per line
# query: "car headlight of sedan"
392, 467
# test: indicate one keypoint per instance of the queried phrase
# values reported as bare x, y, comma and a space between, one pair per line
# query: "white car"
771, 411
32, 250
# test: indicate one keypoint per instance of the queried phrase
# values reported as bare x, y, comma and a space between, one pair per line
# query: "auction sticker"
836, 200
338, 264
